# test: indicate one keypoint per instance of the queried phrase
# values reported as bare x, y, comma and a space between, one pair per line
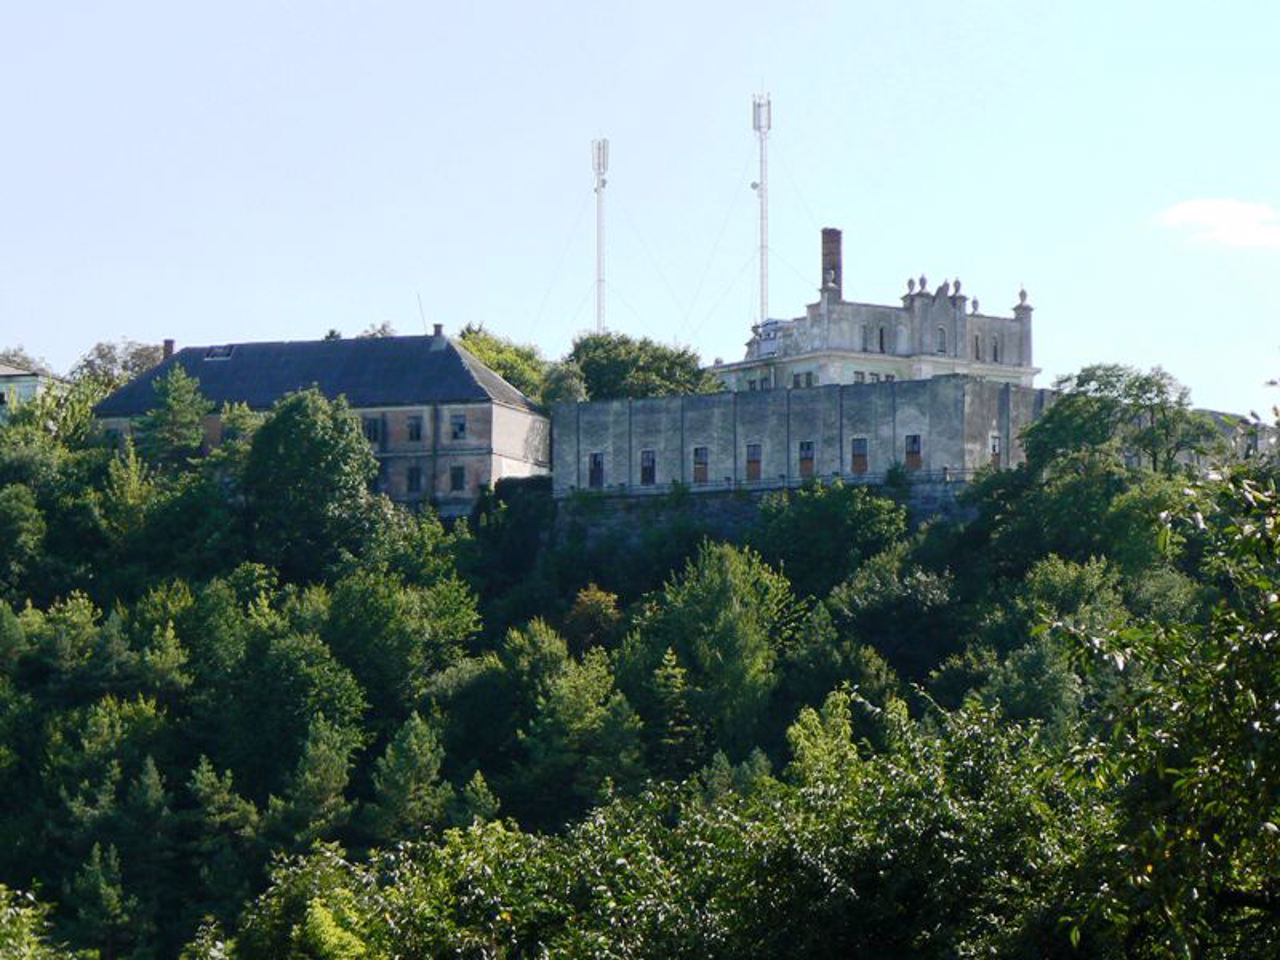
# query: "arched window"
977, 347
941, 345
995, 349
882, 339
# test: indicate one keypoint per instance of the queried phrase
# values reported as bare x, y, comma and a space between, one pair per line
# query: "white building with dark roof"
18, 385
442, 424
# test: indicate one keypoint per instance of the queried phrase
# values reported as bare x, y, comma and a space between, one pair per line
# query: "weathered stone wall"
957, 419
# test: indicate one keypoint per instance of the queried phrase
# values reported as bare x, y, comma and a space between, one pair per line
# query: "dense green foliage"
250, 709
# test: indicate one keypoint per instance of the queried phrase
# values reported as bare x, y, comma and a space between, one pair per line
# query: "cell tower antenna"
761, 121
600, 164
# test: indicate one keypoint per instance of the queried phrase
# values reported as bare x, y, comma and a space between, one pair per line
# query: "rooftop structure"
839, 341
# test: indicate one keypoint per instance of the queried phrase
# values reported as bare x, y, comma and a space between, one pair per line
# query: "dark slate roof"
368, 371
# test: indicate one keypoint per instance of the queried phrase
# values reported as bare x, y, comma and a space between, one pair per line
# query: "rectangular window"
751, 384
413, 429
753, 462
875, 378
458, 426
795, 380
701, 461
859, 377
809, 380
414, 480
648, 468
595, 471
457, 479
373, 429
995, 449
806, 458
888, 378
858, 464
915, 452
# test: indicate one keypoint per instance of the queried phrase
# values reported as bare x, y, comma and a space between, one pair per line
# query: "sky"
270, 171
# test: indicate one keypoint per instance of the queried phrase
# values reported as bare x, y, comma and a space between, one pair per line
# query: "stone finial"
1022, 297
944, 290
957, 286
911, 285
924, 284
975, 304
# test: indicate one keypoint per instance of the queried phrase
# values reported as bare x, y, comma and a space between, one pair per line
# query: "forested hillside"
249, 709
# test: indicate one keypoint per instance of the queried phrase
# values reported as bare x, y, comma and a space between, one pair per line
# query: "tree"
1147, 415
374, 331
25, 930
173, 430
585, 737
726, 616
307, 482
615, 365
564, 382
22, 530
116, 363
19, 358
409, 796
819, 534
521, 365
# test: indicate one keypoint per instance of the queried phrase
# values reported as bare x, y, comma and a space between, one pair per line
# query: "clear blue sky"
239, 171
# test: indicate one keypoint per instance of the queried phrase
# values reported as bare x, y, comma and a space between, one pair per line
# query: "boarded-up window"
806, 458
414, 480
648, 468
701, 460
457, 479
753, 462
858, 463
595, 471
915, 452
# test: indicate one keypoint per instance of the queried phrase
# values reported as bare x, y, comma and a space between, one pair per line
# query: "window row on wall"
377, 432
810, 379
415, 480
859, 462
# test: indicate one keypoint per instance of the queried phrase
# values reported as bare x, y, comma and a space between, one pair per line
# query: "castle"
850, 390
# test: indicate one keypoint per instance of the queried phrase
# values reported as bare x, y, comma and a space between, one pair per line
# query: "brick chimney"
438, 330
832, 266
168, 349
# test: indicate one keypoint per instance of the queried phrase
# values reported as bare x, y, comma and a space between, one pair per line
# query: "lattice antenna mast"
761, 121
600, 164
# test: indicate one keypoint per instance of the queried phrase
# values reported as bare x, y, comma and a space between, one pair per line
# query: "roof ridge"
468, 359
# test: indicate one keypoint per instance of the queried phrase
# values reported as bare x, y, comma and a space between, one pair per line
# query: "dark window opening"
859, 377
795, 380
995, 349
414, 428
859, 461
882, 339
458, 426
701, 461
414, 480
219, 353
941, 344
977, 348
457, 479
595, 471
806, 458
915, 452
372, 429
753, 462
648, 468
995, 449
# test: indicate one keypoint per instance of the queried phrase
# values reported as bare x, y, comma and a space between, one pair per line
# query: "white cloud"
1227, 223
